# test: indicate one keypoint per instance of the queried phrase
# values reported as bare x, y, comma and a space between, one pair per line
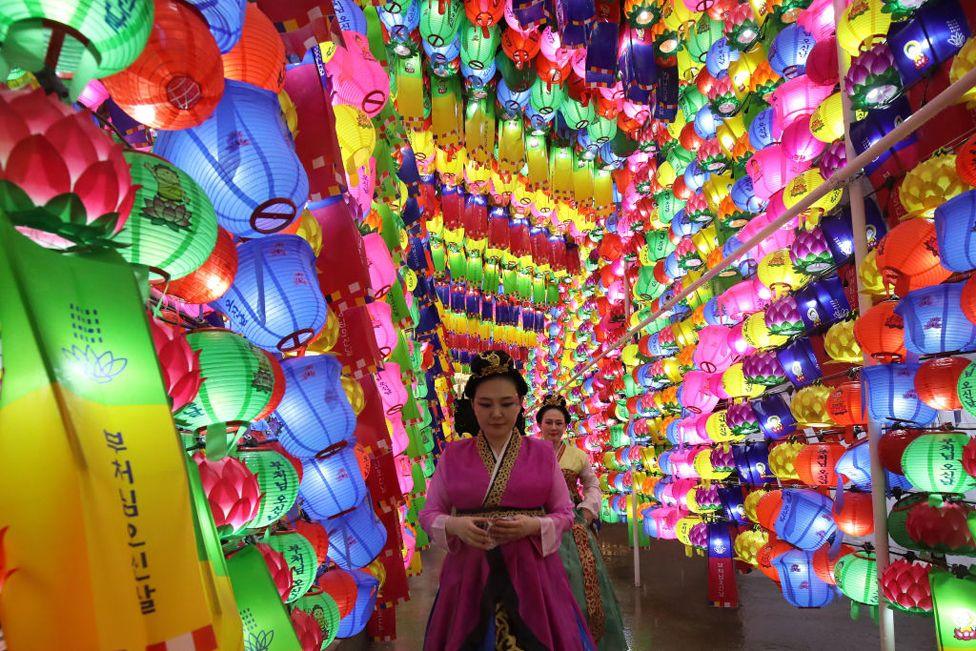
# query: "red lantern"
231, 489
768, 509
823, 564
484, 13
856, 515
341, 586
905, 584
844, 404
881, 333
178, 362
768, 553
307, 630
521, 47
936, 380
969, 457
892, 447
178, 79
259, 56
967, 300
212, 279
689, 138
278, 567
908, 257
943, 528
822, 63
815, 463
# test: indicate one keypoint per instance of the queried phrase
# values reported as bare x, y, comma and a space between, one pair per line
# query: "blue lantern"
664, 462
806, 520
733, 504
355, 537
719, 57
789, 51
776, 421
875, 126
706, 122
711, 312
367, 587
681, 225
331, 485
934, 320
400, 24
799, 363
840, 236
812, 313
762, 130
512, 103
243, 158
752, 463
955, 223
275, 301
800, 584
314, 414
695, 176
671, 432
351, 18
889, 393
933, 36
225, 18
443, 54
831, 298
744, 196
855, 464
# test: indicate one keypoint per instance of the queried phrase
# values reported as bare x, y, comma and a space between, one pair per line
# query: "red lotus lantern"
212, 279
178, 79
943, 527
856, 515
936, 380
307, 630
881, 333
844, 404
259, 56
969, 457
892, 447
815, 463
341, 586
179, 363
905, 584
279, 569
231, 489
64, 180
908, 257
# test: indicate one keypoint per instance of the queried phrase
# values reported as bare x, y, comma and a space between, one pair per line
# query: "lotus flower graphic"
259, 641
101, 368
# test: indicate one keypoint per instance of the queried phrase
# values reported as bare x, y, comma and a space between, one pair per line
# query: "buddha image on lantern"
965, 625
168, 206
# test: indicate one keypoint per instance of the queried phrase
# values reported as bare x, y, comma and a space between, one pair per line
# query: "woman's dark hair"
488, 366
553, 401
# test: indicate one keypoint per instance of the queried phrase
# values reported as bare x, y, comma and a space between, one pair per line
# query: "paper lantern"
752, 463
880, 333
300, 559
933, 322
797, 98
86, 42
872, 80
824, 564
862, 25
799, 363
936, 382
969, 458
244, 160
213, 278
840, 343
805, 520
278, 480
934, 463
905, 585
356, 537
179, 364
358, 78
939, 526
322, 607
65, 181
736, 385
815, 464
341, 586
367, 587
775, 419
789, 51
258, 58
307, 630
782, 461
801, 586
892, 447
238, 381
809, 406
929, 184
857, 577
713, 354
275, 300
855, 514
225, 18
954, 223
968, 299
178, 79
777, 272
331, 485
172, 228
231, 489
890, 396
278, 569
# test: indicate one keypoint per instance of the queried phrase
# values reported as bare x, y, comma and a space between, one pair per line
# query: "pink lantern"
399, 437
551, 47
713, 353
695, 394
381, 316
822, 63
743, 299
771, 170
688, 433
717, 388
362, 184
357, 77
799, 143
676, 493
382, 272
390, 385
737, 341
818, 20
796, 98
683, 462
665, 520
93, 95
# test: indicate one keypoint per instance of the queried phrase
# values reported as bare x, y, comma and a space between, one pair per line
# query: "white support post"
635, 534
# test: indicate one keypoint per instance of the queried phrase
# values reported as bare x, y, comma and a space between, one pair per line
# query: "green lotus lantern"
702, 35
323, 608
83, 40
857, 578
300, 556
440, 20
933, 463
477, 48
172, 228
546, 98
278, 480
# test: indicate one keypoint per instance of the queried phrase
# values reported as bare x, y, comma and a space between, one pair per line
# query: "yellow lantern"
326, 340
716, 188
871, 279
684, 333
717, 429
930, 184
735, 384
703, 465
666, 174
310, 231
776, 272
862, 25
751, 502
782, 460
688, 68
804, 184
757, 334
729, 133
684, 527
356, 135
964, 61
672, 369
742, 69
678, 17
629, 355
809, 406
354, 392
748, 543
840, 344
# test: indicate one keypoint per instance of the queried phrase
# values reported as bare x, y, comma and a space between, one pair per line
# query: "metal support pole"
635, 534
879, 504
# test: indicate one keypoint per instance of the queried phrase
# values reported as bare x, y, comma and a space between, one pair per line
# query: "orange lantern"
768, 509
341, 586
881, 333
178, 79
936, 380
815, 463
908, 257
856, 515
212, 279
259, 56
823, 564
967, 300
844, 404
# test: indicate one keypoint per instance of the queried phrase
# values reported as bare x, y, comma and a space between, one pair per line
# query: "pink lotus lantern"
713, 353
834, 158
382, 271
178, 362
799, 144
357, 77
796, 98
771, 170
232, 490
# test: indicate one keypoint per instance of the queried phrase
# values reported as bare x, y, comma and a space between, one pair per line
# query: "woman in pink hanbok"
499, 504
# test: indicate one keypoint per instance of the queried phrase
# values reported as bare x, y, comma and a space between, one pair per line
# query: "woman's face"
553, 425
496, 406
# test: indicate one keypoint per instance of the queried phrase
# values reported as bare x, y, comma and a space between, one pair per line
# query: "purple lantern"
775, 418
741, 419
840, 236
752, 463
832, 298
762, 367
783, 317
800, 363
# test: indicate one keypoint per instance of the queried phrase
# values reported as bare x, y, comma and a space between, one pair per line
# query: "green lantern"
266, 622
518, 80
278, 480
477, 49
172, 228
954, 602
659, 244
538, 287
419, 481
323, 608
238, 380
88, 40
680, 158
428, 466
668, 205
300, 556
690, 101
545, 97
577, 114
857, 578
898, 518
647, 287
475, 270
601, 130
702, 36
440, 20
933, 463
